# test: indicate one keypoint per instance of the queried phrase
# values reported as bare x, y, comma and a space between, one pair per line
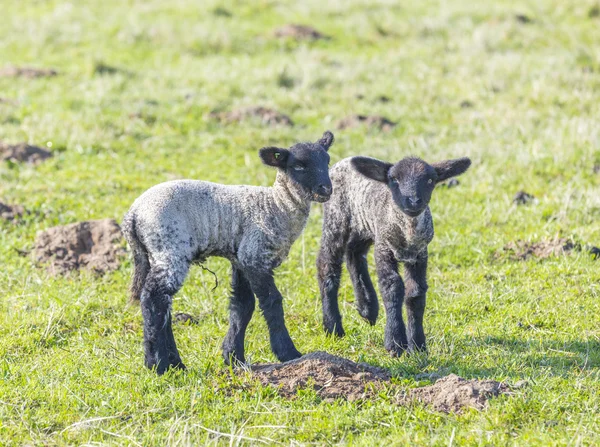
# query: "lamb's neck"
288, 197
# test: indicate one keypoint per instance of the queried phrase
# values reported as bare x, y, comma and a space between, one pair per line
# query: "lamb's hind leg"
364, 292
241, 308
163, 281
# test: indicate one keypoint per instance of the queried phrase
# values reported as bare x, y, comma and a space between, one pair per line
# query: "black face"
411, 180
306, 164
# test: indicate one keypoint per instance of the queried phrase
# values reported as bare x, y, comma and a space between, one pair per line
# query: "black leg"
391, 287
329, 272
241, 308
174, 358
364, 292
270, 302
161, 284
416, 289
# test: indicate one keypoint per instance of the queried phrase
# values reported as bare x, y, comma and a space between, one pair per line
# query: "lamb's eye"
299, 168
430, 181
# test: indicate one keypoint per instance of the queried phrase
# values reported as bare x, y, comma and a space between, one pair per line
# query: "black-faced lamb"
177, 223
385, 205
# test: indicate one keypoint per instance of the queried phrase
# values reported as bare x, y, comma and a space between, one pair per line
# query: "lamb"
176, 223
385, 205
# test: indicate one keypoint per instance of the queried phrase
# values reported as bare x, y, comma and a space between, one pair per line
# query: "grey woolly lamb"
177, 223
377, 203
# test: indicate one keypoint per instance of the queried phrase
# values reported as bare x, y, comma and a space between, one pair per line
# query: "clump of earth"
371, 121
11, 212
26, 72
23, 153
299, 32
453, 393
334, 377
523, 250
95, 245
265, 115
523, 198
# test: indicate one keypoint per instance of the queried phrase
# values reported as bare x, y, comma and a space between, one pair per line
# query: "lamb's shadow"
521, 356
513, 356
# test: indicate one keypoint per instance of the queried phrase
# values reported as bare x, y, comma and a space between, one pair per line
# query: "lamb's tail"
141, 264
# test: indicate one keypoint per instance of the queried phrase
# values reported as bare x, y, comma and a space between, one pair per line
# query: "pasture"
136, 101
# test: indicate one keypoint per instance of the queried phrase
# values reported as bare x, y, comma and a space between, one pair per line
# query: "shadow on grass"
496, 357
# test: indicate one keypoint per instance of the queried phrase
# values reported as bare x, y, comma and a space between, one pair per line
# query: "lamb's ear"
274, 156
372, 168
451, 168
326, 140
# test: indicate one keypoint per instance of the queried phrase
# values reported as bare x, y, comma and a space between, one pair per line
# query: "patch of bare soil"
12, 102
523, 198
453, 393
522, 18
523, 250
11, 212
330, 376
299, 32
335, 377
94, 245
266, 115
23, 153
26, 72
372, 121
183, 318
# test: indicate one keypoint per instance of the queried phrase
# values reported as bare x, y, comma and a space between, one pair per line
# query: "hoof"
230, 358
334, 329
162, 367
289, 355
369, 314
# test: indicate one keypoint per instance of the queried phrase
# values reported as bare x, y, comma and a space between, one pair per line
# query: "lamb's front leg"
416, 289
392, 292
270, 302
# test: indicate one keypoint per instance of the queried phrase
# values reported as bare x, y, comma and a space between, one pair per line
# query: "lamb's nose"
324, 190
415, 201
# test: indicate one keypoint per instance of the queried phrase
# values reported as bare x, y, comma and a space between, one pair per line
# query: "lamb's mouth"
320, 198
413, 213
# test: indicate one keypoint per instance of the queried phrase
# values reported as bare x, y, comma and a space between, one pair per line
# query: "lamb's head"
306, 164
411, 180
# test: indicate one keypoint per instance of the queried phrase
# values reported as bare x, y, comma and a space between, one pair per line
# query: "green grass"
71, 368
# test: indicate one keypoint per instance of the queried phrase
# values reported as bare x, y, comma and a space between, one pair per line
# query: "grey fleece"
363, 209
188, 220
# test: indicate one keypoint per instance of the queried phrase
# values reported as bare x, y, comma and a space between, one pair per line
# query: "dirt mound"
26, 72
11, 212
523, 250
23, 153
12, 102
269, 117
372, 121
523, 198
93, 245
335, 377
299, 32
453, 393
183, 318
330, 376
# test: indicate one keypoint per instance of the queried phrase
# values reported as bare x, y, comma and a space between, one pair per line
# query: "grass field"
129, 109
